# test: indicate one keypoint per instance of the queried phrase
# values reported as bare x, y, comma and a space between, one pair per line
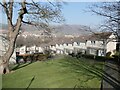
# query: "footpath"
111, 78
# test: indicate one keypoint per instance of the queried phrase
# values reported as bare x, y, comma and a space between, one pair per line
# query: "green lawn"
64, 72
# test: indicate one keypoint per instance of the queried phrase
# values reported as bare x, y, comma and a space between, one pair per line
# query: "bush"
79, 55
39, 57
88, 56
32, 57
72, 54
108, 54
99, 58
116, 56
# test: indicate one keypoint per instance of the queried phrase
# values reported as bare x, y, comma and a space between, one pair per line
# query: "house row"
29, 50
96, 44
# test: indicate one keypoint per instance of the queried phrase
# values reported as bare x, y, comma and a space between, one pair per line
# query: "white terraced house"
96, 44
29, 50
101, 43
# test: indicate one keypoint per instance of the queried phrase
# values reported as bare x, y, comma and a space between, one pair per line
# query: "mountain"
72, 29
59, 30
64, 29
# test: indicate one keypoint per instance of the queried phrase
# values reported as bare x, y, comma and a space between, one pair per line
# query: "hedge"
32, 57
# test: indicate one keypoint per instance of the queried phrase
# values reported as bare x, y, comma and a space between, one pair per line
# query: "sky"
79, 13
74, 13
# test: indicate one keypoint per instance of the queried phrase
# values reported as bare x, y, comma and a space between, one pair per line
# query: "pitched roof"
100, 36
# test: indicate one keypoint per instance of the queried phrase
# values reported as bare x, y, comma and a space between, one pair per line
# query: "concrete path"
111, 77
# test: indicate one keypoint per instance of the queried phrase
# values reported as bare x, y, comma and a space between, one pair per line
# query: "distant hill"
61, 29
72, 29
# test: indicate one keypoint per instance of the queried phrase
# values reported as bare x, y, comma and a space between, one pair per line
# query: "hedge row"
100, 58
32, 57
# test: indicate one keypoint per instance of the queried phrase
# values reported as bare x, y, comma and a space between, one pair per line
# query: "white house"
32, 49
22, 50
95, 44
101, 43
111, 44
79, 44
39, 49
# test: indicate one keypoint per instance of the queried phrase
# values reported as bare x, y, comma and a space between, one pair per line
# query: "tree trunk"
13, 31
4, 66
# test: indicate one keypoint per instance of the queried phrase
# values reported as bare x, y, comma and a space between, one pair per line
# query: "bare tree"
111, 12
34, 13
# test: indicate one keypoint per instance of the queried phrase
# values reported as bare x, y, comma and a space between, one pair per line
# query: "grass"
64, 72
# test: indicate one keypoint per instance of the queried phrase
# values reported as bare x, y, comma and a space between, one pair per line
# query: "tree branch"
23, 11
10, 10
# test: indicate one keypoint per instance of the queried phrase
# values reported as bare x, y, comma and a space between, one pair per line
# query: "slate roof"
100, 36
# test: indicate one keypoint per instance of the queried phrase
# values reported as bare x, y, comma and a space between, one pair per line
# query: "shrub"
39, 57
32, 57
88, 56
72, 54
101, 58
79, 55
116, 56
108, 54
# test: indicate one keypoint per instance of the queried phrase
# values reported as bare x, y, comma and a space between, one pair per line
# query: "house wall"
59, 47
111, 45
40, 49
32, 49
75, 44
82, 45
96, 44
95, 47
23, 50
53, 48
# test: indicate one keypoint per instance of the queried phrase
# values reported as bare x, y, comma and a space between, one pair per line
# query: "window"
93, 42
77, 43
67, 44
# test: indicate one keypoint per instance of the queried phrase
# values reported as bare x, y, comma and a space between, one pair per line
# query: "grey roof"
100, 36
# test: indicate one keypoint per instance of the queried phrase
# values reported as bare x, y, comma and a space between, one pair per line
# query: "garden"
58, 72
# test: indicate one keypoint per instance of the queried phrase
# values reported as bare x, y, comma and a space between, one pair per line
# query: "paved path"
111, 78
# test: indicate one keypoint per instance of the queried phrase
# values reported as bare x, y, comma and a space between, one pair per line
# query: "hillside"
58, 29
60, 72
62, 29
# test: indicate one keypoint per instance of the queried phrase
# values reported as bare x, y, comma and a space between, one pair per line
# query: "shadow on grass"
117, 70
33, 78
92, 68
21, 65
